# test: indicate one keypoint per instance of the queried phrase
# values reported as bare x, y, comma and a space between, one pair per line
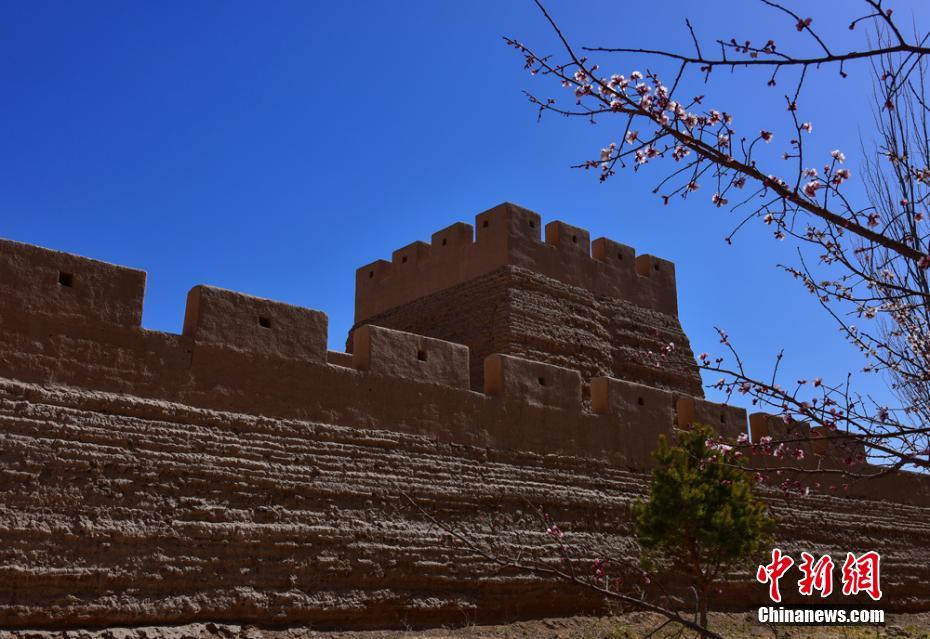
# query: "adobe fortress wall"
75, 321
240, 471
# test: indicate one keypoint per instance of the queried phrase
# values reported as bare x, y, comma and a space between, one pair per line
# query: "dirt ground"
629, 626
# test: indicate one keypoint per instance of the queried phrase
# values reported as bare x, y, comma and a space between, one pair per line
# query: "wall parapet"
41, 281
533, 382
509, 235
218, 316
250, 355
389, 352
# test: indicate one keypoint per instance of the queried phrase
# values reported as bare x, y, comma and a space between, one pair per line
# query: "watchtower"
501, 287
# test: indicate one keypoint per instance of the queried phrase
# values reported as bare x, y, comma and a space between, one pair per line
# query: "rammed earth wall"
241, 472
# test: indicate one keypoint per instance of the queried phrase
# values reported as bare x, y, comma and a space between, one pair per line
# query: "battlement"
45, 282
509, 235
75, 321
256, 325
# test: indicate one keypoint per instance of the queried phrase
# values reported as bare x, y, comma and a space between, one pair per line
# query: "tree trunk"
702, 606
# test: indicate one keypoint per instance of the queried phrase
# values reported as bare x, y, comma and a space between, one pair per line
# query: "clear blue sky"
272, 148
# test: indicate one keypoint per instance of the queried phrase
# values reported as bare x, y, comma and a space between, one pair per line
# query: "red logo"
771, 573
859, 574
817, 576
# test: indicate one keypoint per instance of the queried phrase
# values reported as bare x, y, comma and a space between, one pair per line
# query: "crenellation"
611, 396
453, 236
838, 445
409, 257
249, 323
409, 356
568, 238
43, 281
767, 425
817, 440
729, 421
533, 383
618, 255
663, 292
508, 223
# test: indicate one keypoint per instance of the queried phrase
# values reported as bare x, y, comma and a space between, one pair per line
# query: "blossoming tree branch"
872, 254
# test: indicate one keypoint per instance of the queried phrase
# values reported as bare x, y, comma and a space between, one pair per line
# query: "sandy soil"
629, 626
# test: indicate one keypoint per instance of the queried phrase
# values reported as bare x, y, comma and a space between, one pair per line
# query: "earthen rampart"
75, 321
257, 356
240, 471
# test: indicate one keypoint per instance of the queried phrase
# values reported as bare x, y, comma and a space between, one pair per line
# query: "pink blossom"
810, 189
766, 135
838, 155
618, 80
807, 126
841, 176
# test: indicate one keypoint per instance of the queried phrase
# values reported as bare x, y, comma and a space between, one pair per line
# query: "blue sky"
273, 148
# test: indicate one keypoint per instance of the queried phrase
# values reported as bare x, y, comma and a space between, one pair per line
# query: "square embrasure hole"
65, 279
